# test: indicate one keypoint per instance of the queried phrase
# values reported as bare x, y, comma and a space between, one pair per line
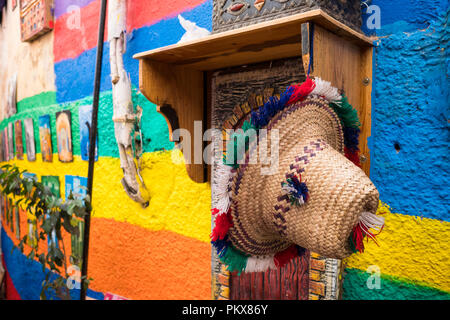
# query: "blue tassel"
255, 119
351, 138
285, 97
301, 251
221, 246
260, 118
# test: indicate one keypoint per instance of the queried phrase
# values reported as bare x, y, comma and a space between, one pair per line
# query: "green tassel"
238, 144
234, 259
247, 125
235, 143
352, 245
347, 114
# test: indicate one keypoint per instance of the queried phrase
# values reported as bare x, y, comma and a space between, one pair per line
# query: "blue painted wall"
70, 86
410, 108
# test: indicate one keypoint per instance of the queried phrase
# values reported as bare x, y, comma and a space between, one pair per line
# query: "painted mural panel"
3, 147
3, 156
2, 207
29, 139
32, 231
64, 136
45, 137
85, 114
9, 212
52, 182
77, 186
11, 141
17, 222
19, 141
5, 144
29, 175
11, 102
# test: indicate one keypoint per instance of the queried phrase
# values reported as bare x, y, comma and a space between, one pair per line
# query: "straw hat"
315, 199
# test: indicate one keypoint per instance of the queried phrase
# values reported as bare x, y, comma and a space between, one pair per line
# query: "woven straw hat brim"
311, 145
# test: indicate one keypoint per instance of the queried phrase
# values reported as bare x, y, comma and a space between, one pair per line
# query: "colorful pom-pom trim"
297, 190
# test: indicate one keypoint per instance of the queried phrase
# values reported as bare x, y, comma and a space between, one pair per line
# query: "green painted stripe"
154, 127
391, 288
36, 101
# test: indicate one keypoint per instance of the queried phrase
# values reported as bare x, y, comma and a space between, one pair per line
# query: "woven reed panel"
237, 85
229, 88
232, 14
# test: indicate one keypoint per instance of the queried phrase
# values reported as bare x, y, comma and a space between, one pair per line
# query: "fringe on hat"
326, 90
367, 222
228, 254
237, 261
223, 176
346, 113
223, 223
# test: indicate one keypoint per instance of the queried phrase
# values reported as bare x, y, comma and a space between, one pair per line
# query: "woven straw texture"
311, 146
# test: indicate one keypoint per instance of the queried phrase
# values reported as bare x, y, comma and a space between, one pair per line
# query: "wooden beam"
306, 45
174, 75
365, 114
275, 39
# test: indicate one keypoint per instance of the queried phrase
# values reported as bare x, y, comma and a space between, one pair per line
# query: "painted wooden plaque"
18, 138
52, 182
45, 137
64, 136
36, 18
11, 140
29, 139
85, 114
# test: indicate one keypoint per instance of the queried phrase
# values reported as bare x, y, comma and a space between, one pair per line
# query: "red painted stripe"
71, 41
11, 292
144, 12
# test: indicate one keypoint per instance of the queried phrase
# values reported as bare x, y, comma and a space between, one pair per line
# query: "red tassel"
215, 211
302, 91
353, 156
283, 257
222, 224
358, 238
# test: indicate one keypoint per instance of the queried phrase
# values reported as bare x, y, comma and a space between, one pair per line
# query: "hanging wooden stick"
124, 117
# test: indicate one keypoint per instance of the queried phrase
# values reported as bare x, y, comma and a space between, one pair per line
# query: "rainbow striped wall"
163, 251
146, 30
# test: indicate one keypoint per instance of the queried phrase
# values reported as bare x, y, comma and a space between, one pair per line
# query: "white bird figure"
192, 30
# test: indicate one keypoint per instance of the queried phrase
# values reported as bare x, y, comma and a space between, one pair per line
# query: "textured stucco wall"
33, 61
161, 252
410, 109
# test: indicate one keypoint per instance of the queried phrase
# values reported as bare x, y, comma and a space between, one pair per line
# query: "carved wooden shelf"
176, 75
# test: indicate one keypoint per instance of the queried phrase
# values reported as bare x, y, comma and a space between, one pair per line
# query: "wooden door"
288, 283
